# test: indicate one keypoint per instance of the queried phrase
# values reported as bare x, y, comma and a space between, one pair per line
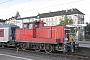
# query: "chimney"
72, 9
67, 10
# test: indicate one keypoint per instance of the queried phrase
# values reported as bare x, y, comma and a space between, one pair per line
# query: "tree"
87, 31
65, 21
17, 15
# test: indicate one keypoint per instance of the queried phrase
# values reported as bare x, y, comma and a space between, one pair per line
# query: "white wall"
20, 22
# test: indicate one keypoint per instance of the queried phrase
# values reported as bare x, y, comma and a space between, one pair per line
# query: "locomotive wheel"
37, 48
48, 48
23, 46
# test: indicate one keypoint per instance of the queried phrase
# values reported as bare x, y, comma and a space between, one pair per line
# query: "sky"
27, 8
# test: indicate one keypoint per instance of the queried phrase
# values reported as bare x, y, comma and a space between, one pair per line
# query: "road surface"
11, 57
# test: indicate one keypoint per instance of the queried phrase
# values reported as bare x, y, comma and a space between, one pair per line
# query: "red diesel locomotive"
35, 35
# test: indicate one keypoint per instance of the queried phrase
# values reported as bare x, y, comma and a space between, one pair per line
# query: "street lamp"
76, 22
76, 35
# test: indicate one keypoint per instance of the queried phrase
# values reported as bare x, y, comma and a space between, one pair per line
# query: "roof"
2, 20
11, 25
77, 25
58, 13
27, 17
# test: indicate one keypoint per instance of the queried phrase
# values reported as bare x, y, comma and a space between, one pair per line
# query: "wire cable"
5, 1
43, 7
54, 5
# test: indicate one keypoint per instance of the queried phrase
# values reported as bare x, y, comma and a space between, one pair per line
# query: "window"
52, 19
30, 26
49, 19
25, 25
36, 25
42, 19
46, 19
1, 32
52, 24
59, 18
70, 17
55, 18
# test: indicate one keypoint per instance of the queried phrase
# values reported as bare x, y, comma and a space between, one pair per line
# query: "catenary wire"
5, 1
44, 7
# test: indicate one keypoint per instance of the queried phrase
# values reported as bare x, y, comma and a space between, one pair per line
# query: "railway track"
57, 54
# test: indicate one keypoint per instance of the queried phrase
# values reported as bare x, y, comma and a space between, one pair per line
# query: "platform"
84, 44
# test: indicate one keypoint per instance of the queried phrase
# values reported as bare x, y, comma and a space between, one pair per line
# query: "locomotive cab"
27, 25
35, 24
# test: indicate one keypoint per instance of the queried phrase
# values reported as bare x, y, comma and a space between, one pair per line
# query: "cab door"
67, 33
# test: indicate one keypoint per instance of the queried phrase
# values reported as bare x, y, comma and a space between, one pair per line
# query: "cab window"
30, 26
36, 25
25, 25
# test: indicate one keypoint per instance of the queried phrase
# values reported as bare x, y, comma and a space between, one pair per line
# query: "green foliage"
87, 31
17, 13
80, 37
65, 21
72, 29
87, 36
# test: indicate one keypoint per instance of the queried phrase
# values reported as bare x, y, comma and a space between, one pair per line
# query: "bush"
87, 36
80, 37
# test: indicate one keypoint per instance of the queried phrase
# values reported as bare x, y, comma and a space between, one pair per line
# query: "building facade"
54, 18
19, 22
